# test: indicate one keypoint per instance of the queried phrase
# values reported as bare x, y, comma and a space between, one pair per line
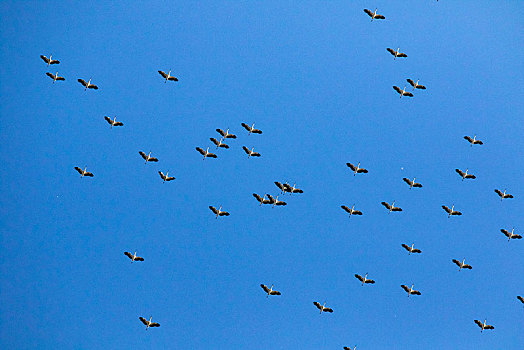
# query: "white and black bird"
462, 265
510, 235
396, 53
451, 211
275, 201
49, 60
83, 172
261, 200
357, 169
167, 76
503, 195
292, 189
391, 207
251, 129
133, 257
473, 141
411, 249
166, 176
322, 308
402, 92
351, 210
113, 121
416, 85
55, 77
250, 153
411, 183
373, 15
147, 157
87, 85
219, 143
269, 291
484, 325
365, 279
410, 290
206, 153
148, 323
465, 175
218, 212
226, 134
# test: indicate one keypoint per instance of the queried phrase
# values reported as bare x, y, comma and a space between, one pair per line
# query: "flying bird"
510, 235
219, 143
483, 326
55, 77
167, 76
410, 290
83, 172
356, 169
49, 60
148, 323
88, 85
322, 308
396, 53
261, 200
251, 129
218, 212
364, 279
113, 122
226, 134
206, 153
292, 189
410, 249
503, 195
411, 183
133, 257
147, 157
166, 177
275, 201
402, 92
250, 152
269, 291
391, 207
473, 141
416, 85
373, 15
462, 265
351, 210
451, 211
348, 348
465, 174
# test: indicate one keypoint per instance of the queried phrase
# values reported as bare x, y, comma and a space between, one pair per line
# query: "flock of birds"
287, 188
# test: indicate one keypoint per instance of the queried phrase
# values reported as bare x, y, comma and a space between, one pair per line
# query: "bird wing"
470, 176
386, 204
119, 124
479, 142
46, 60
396, 209
281, 203
60, 78
406, 180
505, 232
143, 155
411, 82
108, 120
287, 187
422, 87
221, 132
317, 304
275, 292
144, 321
162, 175
520, 298
408, 94
257, 197
139, 258
172, 78
213, 209
211, 155
270, 198
265, 288
359, 277
405, 287
488, 326
516, 236
224, 213
346, 208
279, 185
162, 73
456, 261
297, 190
91, 86
255, 154
397, 89
88, 174
200, 150
498, 192
417, 185
82, 81
79, 170
456, 212
466, 266
362, 170
257, 131
129, 255
214, 140
231, 136
402, 55
154, 324
246, 126
327, 309
351, 166
415, 292
391, 51
478, 323
446, 209
370, 281
50, 75
380, 17
468, 138
370, 14
170, 178
508, 196
54, 62
405, 246
245, 149
357, 212
153, 159
417, 251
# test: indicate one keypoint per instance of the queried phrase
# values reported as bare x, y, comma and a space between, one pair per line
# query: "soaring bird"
206, 153
275, 201
113, 122
83, 172
411, 183
269, 291
219, 143
88, 85
226, 134
351, 210
55, 76
416, 85
147, 157
166, 177
251, 129
521, 299
410, 249
391, 207
250, 152
473, 141
218, 212
148, 323
322, 308
261, 200
410, 290
49, 60
510, 235
465, 174
483, 326
364, 279
451, 211
373, 15
133, 257
292, 189
462, 265
503, 195
167, 76
402, 92
356, 169
396, 53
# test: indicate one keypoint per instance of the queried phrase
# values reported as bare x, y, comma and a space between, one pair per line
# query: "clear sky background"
316, 78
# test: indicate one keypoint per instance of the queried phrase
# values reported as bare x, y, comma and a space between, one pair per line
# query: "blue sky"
316, 78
